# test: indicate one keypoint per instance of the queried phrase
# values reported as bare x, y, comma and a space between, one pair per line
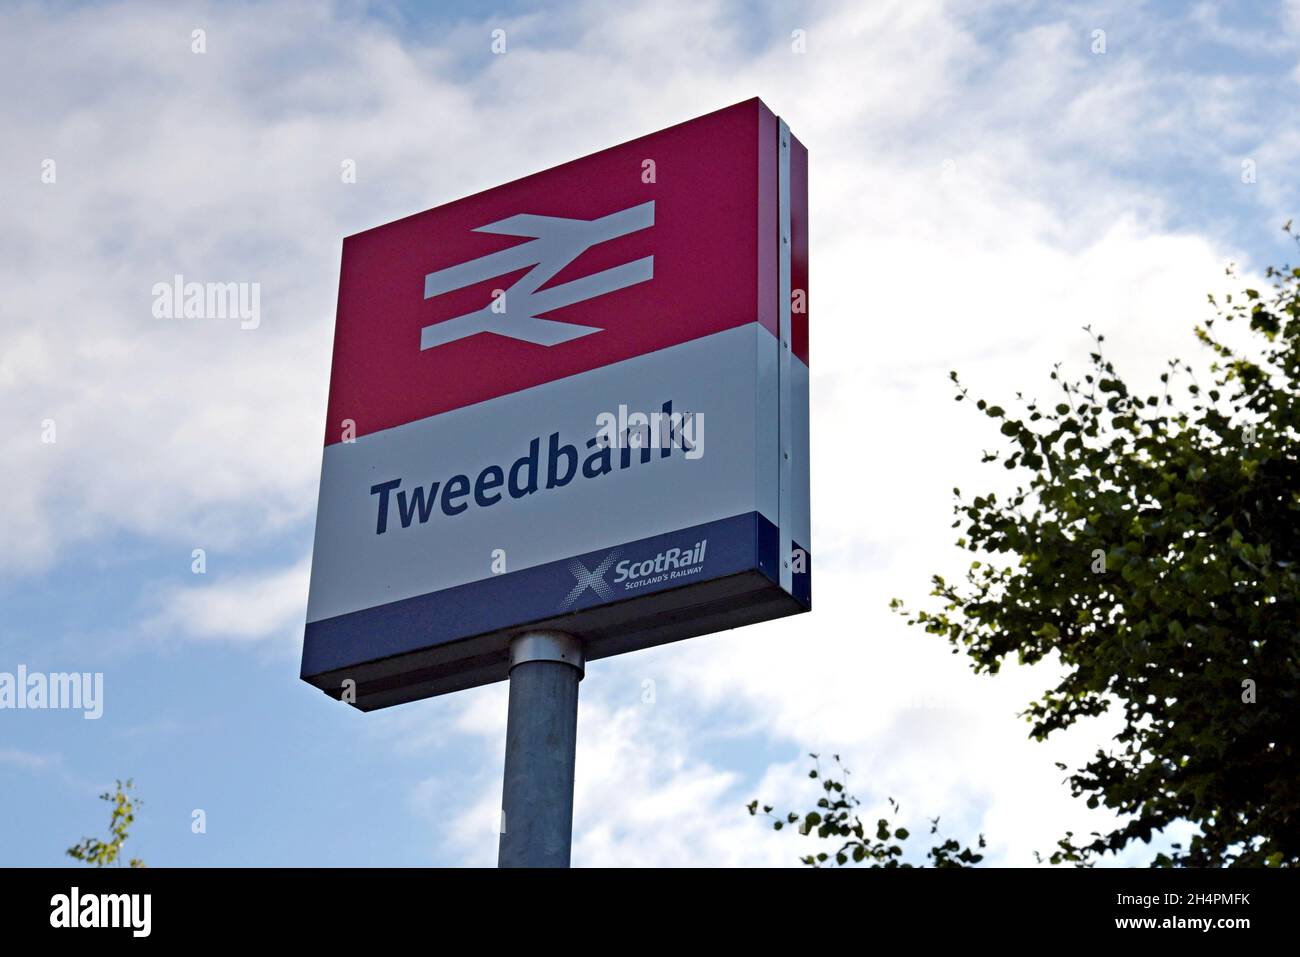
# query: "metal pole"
541, 735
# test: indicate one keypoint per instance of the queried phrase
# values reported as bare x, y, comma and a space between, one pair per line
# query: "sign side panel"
785, 389
767, 330
801, 503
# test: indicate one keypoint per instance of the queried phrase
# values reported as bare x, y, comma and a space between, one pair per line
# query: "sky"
986, 179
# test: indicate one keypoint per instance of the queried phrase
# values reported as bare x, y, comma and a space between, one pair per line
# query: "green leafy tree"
836, 819
92, 850
1151, 547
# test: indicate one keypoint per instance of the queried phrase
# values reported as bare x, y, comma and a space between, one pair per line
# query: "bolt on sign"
577, 401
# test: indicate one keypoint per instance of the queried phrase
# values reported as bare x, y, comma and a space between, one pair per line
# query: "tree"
1152, 547
837, 818
92, 850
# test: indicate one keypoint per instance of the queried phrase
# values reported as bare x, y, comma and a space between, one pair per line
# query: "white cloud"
642, 797
29, 761
242, 608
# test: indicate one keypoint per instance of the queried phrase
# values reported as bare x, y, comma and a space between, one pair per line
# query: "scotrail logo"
556, 242
594, 579
668, 565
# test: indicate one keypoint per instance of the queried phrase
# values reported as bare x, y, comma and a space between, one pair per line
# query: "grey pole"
541, 735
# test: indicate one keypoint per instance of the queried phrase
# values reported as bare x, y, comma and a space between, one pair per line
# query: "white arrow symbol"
557, 242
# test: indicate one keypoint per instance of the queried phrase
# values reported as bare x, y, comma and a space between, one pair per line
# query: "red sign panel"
693, 191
